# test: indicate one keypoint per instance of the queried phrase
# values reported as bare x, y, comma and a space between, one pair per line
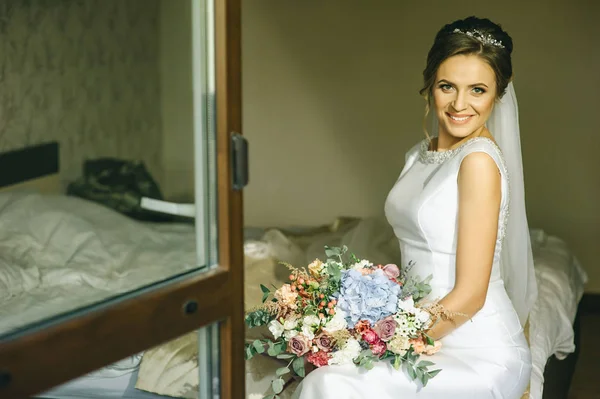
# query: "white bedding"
60, 253
561, 281
114, 382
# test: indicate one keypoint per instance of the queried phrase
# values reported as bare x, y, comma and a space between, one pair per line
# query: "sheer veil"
516, 260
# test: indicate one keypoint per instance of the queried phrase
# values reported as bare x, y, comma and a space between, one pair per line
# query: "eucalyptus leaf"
298, 366
411, 372
264, 289
425, 363
433, 373
277, 385
273, 349
419, 373
285, 356
258, 346
281, 371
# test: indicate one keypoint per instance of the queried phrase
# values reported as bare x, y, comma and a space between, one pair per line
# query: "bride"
458, 211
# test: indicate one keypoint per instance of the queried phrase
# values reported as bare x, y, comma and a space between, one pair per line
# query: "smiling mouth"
460, 119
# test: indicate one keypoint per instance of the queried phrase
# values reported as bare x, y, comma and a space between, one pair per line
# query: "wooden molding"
228, 52
33, 362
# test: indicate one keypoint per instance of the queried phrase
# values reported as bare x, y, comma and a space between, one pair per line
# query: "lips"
459, 119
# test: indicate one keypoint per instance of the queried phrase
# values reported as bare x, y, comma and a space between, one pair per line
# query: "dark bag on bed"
120, 185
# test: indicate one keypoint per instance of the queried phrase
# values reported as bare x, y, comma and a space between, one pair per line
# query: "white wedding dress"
487, 357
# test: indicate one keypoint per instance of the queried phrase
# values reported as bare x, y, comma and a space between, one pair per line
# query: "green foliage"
258, 318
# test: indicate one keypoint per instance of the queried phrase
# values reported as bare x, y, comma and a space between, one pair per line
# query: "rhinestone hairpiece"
483, 38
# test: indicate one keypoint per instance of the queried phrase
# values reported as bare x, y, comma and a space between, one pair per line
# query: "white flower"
308, 331
276, 328
311, 320
361, 265
290, 324
337, 322
422, 316
289, 334
315, 349
407, 305
347, 354
398, 345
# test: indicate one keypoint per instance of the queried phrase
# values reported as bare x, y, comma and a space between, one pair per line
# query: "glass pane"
185, 367
125, 91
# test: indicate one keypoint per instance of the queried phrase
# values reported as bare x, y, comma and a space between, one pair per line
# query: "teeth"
459, 119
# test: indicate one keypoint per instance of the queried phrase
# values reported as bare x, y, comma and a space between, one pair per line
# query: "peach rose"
421, 347
286, 296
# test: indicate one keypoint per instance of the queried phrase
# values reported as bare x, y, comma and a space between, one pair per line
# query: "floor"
586, 381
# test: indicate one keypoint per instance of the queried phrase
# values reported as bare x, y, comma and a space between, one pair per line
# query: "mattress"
60, 253
115, 381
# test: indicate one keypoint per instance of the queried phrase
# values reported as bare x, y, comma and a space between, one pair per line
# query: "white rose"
407, 305
276, 328
399, 345
361, 265
337, 322
311, 320
289, 334
422, 316
290, 324
347, 354
307, 331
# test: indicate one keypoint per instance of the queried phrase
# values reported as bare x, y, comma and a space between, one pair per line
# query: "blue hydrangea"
370, 297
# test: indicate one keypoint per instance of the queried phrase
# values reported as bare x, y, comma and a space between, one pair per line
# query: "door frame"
52, 353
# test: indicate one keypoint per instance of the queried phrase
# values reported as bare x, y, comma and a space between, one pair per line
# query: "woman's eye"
446, 87
478, 90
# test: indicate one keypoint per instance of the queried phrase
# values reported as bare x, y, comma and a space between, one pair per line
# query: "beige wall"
177, 99
331, 104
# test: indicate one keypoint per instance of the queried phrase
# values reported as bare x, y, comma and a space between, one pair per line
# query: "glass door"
206, 296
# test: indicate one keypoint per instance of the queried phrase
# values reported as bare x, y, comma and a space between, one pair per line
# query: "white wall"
331, 104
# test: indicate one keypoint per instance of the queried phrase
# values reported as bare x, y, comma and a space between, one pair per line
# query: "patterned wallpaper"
84, 73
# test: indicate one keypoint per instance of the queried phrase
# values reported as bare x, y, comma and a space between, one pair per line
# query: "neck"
446, 141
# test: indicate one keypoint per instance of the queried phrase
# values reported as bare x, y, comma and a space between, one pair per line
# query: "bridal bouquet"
345, 310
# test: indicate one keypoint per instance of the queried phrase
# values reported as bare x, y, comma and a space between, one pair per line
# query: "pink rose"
324, 342
385, 328
370, 337
319, 359
391, 270
299, 345
378, 348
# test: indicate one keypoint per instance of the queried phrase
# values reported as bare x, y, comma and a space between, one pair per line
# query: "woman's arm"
479, 188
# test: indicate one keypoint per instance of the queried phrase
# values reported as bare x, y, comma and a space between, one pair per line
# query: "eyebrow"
454, 84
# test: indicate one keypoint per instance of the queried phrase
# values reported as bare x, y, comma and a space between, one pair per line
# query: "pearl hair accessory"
486, 39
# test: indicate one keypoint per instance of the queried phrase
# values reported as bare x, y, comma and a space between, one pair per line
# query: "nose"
460, 101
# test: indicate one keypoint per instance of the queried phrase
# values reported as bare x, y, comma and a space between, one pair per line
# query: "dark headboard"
18, 166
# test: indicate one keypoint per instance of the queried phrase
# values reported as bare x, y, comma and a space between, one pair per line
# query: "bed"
54, 248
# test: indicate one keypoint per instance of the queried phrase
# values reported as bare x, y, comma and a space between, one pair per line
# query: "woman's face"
464, 94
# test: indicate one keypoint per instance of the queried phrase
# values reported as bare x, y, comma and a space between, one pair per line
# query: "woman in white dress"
460, 218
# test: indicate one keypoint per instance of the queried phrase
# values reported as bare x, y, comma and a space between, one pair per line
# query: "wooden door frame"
228, 55
32, 361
